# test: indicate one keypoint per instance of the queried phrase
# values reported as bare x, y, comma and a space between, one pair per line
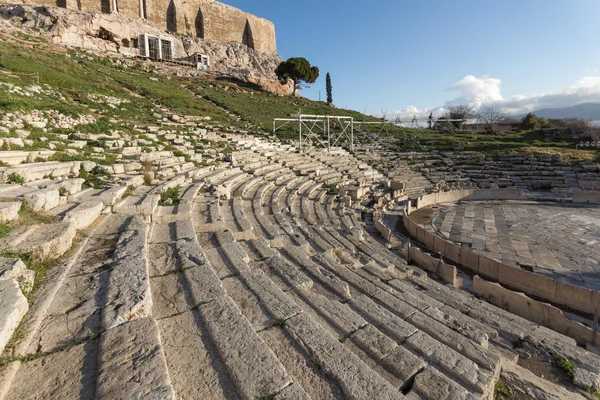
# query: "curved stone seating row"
302, 308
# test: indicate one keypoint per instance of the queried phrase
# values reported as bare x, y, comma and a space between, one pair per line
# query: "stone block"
43, 200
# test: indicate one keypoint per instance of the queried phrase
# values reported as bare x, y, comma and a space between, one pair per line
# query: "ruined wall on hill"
204, 19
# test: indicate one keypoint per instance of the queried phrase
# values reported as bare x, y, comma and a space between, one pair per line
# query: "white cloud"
407, 113
476, 91
486, 91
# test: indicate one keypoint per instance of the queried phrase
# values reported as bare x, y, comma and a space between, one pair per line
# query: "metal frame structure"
320, 128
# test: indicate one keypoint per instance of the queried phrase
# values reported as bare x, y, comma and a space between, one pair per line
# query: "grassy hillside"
71, 82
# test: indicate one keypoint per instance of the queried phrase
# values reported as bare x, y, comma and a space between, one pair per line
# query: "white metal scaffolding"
327, 130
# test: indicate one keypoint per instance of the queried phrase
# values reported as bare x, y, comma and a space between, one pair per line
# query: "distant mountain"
587, 111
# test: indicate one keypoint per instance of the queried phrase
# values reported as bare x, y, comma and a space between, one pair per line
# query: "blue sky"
392, 54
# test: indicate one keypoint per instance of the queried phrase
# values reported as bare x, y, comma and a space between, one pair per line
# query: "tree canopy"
530, 122
297, 70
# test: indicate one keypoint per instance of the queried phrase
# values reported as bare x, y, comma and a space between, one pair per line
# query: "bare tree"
488, 116
455, 116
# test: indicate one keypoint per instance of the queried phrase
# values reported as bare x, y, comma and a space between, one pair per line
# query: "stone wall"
204, 19
112, 34
536, 311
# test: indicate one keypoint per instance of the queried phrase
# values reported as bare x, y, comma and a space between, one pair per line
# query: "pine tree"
329, 89
297, 70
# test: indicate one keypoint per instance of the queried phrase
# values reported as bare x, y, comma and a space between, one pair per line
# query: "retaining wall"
542, 313
586, 197
447, 273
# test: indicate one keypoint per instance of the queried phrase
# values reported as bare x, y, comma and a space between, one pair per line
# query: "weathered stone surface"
13, 306
132, 364
299, 365
14, 268
459, 367
373, 342
128, 296
195, 368
177, 292
330, 313
524, 382
355, 378
9, 211
292, 392
250, 363
288, 276
48, 241
74, 313
482, 356
279, 306
72, 186
403, 365
165, 258
135, 205
68, 374
84, 214
382, 319
171, 232
229, 259
432, 384
250, 305
42, 200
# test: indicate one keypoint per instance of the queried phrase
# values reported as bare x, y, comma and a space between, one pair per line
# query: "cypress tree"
329, 89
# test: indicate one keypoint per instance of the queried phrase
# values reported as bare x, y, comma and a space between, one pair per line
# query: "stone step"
142, 206
42, 242
354, 378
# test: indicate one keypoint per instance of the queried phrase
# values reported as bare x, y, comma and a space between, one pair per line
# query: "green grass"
76, 76
527, 142
16, 178
593, 391
29, 217
169, 197
567, 366
501, 392
5, 230
331, 188
94, 180
260, 107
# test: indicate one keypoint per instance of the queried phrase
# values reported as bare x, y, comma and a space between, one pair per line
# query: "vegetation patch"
94, 180
16, 179
5, 230
29, 217
567, 366
501, 392
594, 392
332, 189
169, 197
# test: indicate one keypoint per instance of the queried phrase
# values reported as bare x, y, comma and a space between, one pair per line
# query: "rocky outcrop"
111, 34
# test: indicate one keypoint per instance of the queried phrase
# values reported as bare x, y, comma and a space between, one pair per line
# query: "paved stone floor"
553, 239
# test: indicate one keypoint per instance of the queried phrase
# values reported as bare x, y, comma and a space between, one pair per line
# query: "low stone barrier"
541, 313
591, 197
574, 297
447, 273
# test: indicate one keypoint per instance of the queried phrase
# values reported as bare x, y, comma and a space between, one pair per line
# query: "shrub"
169, 197
16, 178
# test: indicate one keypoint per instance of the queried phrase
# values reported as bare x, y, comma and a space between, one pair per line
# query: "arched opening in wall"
200, 24
144, 10
105, 6
61, 3
248, 38
171, 17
